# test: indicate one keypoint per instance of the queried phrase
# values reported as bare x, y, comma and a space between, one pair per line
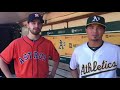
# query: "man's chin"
35, 33
95, 39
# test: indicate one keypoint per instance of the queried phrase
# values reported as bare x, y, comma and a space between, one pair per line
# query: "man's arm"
5, 69
54, 55
118, 64
118, 72
74, 73
53, 72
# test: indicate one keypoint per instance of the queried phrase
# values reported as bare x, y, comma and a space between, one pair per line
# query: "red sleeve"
8, 52
54, 53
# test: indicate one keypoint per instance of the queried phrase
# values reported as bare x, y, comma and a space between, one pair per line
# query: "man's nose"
95, 30
37, 25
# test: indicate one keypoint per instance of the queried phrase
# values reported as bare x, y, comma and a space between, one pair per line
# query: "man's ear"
85, 29
27, 25
104, 30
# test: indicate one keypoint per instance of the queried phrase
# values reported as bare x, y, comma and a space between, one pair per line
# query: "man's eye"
33, 23
91, 27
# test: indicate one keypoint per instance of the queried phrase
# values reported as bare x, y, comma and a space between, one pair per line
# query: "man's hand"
50, 76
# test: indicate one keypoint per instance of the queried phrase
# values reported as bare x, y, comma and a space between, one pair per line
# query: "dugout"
8, 32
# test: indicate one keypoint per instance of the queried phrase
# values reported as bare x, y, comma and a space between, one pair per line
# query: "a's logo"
62, 44
36, 15
96, 18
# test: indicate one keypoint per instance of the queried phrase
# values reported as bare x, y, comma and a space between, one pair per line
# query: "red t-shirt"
30, 58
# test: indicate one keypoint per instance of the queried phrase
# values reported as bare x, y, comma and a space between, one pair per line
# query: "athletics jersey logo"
36, 55
96, 67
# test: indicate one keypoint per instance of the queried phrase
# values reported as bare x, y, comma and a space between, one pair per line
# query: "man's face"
35, 27
95, 32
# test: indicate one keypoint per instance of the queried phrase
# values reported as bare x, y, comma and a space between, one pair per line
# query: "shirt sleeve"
118, 61
54, 55
73, 61
8, 52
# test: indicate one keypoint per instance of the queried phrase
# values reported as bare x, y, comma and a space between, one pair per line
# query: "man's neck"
33, 37
95, 43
